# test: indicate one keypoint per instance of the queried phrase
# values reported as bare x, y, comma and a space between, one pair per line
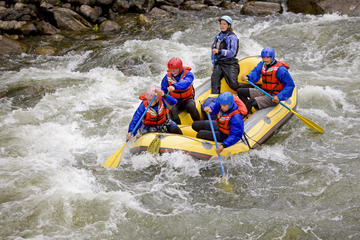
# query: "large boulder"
67, 19
349, 7
91, 13
257, 8
109, 26
9, 46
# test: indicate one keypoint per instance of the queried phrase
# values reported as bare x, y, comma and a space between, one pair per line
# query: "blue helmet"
226, 98
268, 52
227, 19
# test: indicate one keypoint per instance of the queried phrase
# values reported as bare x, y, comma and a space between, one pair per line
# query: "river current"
298, 185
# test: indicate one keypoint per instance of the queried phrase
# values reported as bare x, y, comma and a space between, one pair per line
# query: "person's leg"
174, 112
204, 130
190, 107
172, 127
260, 99
231, 73
216, 77
175, 129
244, 95
200, 125
205, 134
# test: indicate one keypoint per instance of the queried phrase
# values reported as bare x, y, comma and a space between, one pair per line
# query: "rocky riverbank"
23, 19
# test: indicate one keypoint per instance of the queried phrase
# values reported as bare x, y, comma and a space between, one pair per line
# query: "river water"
298, 185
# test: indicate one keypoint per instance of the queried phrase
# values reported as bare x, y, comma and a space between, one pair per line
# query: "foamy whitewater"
298, 185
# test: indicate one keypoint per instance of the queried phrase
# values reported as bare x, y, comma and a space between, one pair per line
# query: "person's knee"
243, 93
196, 126
233, 84
175, 130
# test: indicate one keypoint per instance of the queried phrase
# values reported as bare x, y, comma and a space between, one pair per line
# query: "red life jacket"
181, 95
153, 117
270, 83
222, 121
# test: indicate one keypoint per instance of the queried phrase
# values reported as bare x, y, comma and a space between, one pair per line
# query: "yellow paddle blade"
225, 184
308, 122
154, 146
114, 160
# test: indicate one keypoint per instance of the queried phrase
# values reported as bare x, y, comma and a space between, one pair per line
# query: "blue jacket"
231, 50
282, 75
180, 85
141, 109
236, 124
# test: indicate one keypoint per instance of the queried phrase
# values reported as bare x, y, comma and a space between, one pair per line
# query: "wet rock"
46, 28
25, 96
11, 25
109, 26
104, 2
143, 20
9, 46
228, 5
174, 3
142, 5
29, 29
20, 12
170, 9
121, 6
90, 12
213, 2
67, 19
46, 51
57, 37
256, 8
349, 7
192, 5
157, 12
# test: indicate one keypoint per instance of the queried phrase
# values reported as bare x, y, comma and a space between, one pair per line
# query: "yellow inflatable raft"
258, 126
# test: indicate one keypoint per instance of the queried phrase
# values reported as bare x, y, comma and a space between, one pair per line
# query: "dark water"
62, 116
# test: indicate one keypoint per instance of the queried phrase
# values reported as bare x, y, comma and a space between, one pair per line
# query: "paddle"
227, 185
305, 120
114, 160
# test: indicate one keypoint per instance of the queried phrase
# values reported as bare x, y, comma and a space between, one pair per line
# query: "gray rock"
157, 12
29, 29
9, 46
46, 51
69, 20
90, 13
11, 25
349, 7
109, 26
46, 28
256, 8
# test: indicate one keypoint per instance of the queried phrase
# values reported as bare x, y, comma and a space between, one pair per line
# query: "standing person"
229, 124
224, 50
178, 83
156, 118
276, 81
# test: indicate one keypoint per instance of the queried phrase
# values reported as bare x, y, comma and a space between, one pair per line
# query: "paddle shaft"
305, 120
269, 95
216, 144
142, 116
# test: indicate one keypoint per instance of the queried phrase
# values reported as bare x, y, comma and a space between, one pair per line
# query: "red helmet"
175, 63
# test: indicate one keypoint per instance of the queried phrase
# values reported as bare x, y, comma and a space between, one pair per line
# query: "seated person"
229, 124
178, 83
276, 81
156, 118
